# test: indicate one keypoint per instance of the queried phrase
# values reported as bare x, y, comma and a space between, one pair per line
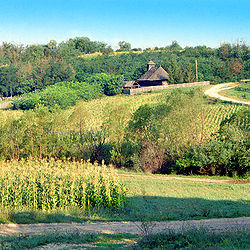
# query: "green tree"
52, 44
189, 76
124, 46
8, 80
174, 46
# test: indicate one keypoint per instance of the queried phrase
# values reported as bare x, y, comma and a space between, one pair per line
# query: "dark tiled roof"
155, 74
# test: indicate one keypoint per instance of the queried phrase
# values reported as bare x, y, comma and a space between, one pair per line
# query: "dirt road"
214, 225
5, 105
214, 92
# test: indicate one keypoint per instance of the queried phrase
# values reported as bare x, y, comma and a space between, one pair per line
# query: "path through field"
214, 225
214, 92
5, 105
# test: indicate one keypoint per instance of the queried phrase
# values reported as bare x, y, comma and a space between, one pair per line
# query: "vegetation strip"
213, 225
188, 179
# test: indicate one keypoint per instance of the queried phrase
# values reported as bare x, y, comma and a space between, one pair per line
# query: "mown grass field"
155, 198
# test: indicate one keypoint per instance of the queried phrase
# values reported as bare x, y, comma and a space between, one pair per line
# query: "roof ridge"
154, 74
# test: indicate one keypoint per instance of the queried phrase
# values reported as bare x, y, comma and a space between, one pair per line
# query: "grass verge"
196, 239
192, 239
67, 241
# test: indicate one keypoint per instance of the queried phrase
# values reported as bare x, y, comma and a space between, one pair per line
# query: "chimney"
151, 65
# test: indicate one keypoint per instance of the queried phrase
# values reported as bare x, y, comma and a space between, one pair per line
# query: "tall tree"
124, 46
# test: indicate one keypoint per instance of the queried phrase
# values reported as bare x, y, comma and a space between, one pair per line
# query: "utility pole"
196, 67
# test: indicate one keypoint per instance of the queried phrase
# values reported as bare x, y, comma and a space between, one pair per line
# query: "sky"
143, 23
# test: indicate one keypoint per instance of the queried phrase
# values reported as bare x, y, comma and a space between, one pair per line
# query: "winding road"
214, 92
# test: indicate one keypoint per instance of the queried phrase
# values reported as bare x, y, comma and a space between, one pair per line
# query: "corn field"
215, 114
53, 185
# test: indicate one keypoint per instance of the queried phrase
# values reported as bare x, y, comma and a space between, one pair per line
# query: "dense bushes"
62, 94
65, 94
166, 136
111, 84
180, 65
225, 154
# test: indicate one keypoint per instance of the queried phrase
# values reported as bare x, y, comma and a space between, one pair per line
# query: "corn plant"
51, 185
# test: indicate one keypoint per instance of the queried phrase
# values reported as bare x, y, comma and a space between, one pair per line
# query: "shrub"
225, 154
111, 84
63, 94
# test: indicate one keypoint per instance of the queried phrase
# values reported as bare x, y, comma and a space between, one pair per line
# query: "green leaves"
52, 185
63, 95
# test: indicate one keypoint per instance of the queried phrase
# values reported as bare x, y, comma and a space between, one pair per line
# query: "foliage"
51, 185
169, 131
43, 65
110, 83
8, 80
155, 128
225, 154
124, 46
63, 95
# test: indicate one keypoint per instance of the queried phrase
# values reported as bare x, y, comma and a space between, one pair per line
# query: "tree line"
24, 69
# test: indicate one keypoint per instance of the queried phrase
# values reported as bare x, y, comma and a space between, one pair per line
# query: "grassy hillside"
95, 111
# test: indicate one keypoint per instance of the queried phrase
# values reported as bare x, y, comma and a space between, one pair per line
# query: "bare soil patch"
5, 105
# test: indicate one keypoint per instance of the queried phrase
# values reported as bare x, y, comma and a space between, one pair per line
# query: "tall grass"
52, 185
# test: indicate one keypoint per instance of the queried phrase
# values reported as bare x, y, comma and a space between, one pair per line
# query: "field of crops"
52, 185
95, 111
216, 113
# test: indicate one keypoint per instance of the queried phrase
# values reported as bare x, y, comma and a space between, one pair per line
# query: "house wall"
161, 87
